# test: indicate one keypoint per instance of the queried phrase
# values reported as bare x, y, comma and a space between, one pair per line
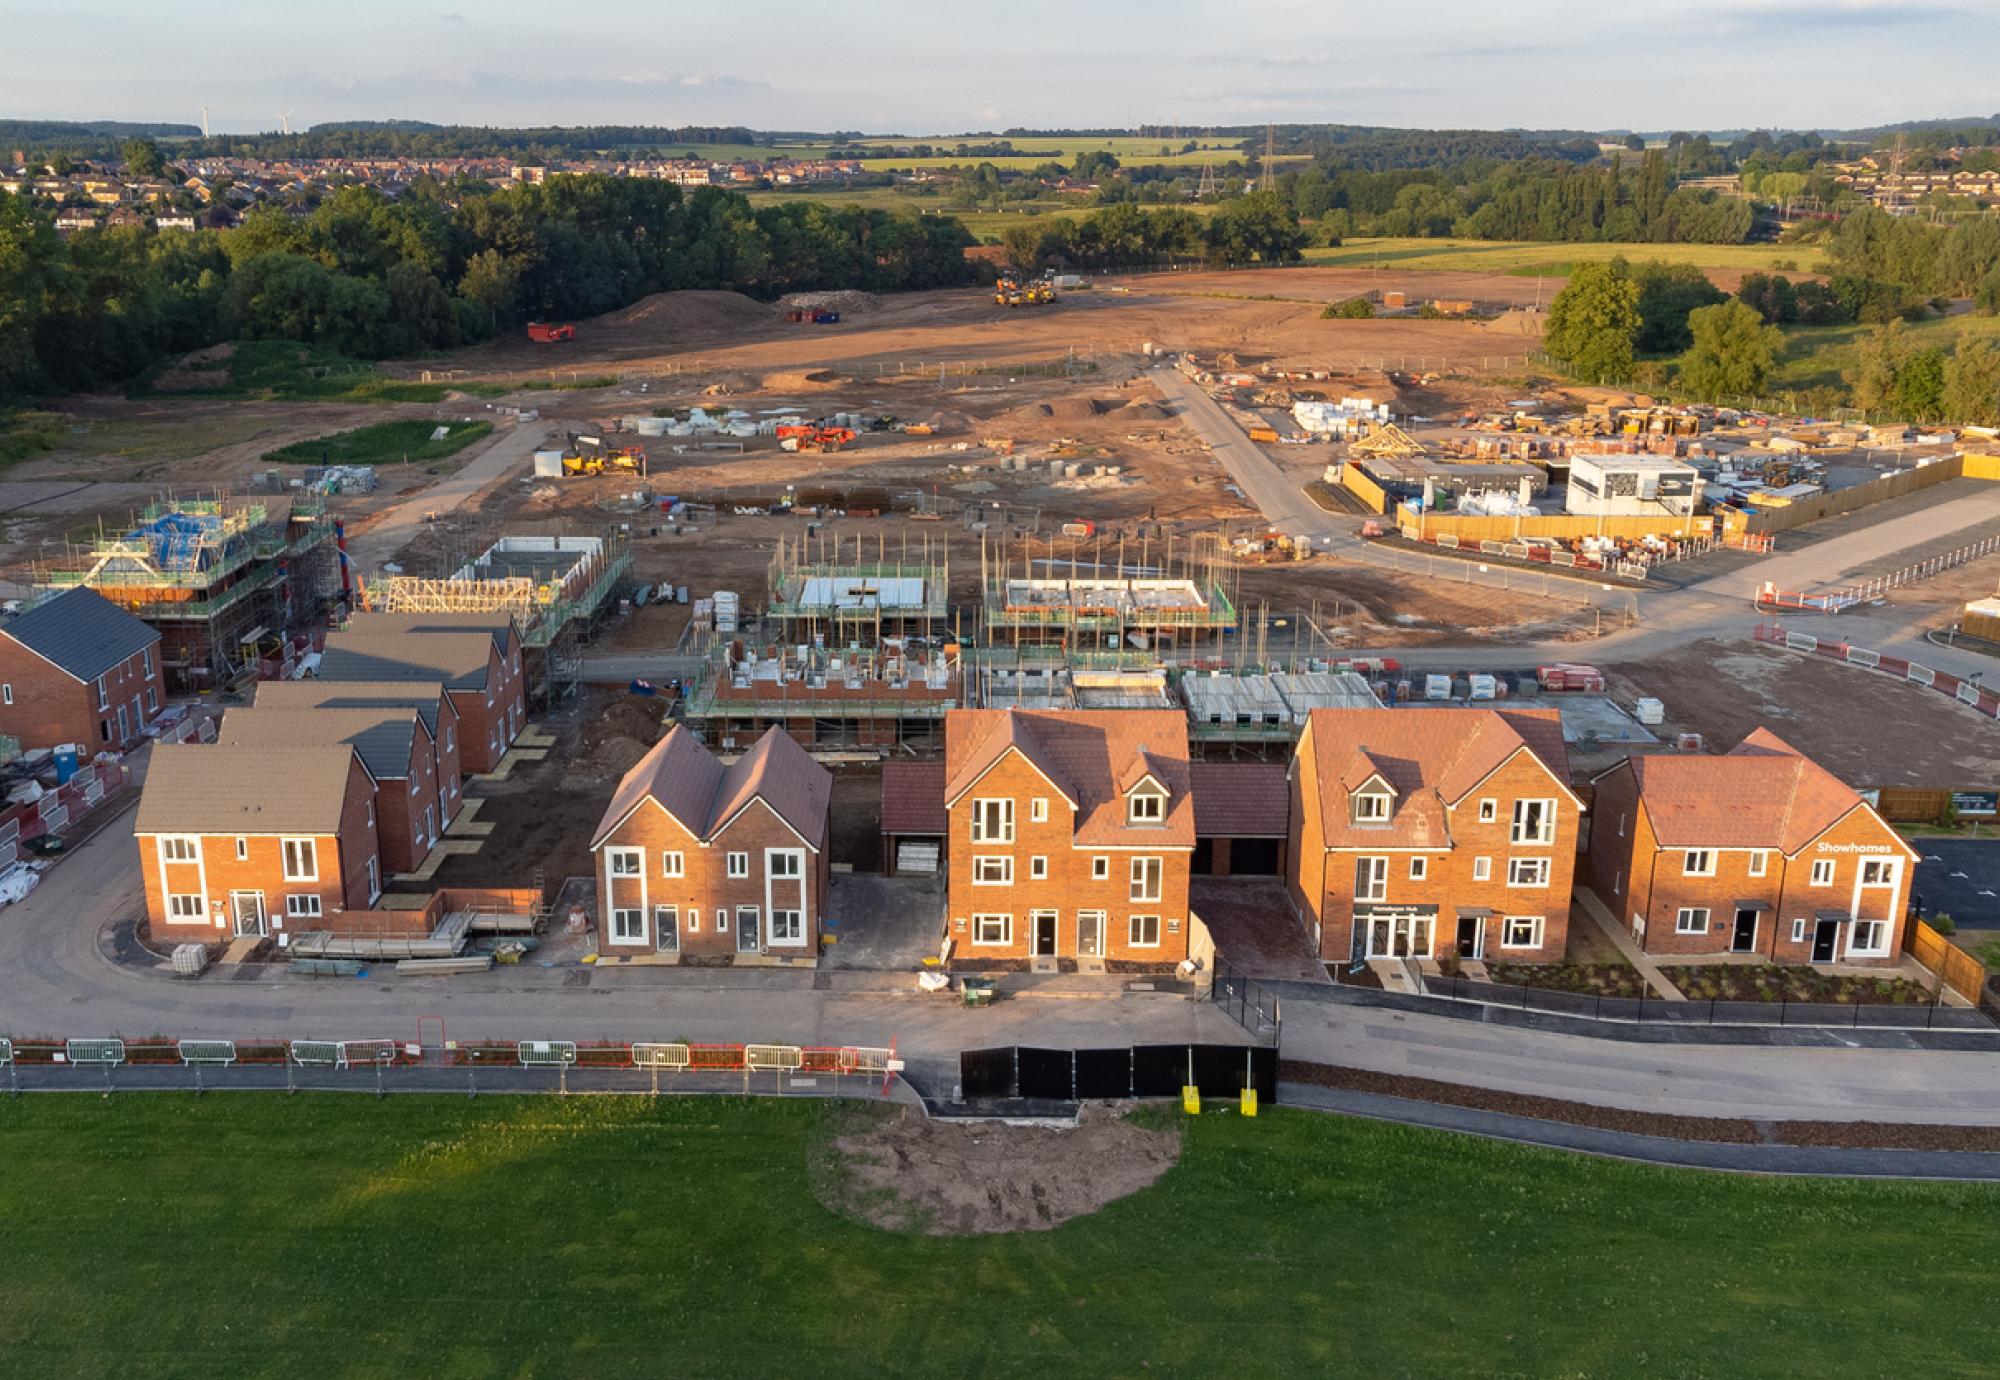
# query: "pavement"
1593, 912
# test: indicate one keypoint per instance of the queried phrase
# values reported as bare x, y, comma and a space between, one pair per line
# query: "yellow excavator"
1010, 291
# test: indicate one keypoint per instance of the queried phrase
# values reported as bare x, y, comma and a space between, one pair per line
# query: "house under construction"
1135, 596
828, 593
227, 582
556, 587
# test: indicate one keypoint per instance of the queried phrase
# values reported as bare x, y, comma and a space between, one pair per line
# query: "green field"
286, 369
1528, 258
1829, 356
986, 226
385, 443
245, 1234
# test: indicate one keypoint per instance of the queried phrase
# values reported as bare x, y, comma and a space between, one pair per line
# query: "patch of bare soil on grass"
944, 1178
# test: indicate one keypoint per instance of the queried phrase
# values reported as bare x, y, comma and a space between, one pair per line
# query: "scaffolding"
220, 579
1167, 601
822, 590
892, 696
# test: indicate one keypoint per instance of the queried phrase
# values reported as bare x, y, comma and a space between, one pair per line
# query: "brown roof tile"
913, 798
216, 788
384, 735
1763, 793
460, 659
423, 696
1085, 753
692, 786
1240, 799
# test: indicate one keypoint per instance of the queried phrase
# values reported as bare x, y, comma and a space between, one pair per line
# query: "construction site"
1178, 605
229, 583
556, 587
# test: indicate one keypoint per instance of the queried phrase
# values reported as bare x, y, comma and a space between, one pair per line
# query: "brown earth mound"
197, 370
689, 311
846, 301
910, 1173
798, 381
1080, 409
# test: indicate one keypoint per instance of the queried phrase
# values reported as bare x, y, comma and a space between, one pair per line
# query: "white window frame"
993, 869
147, 661
722, 919
1134, 932
1758, 864
103, 694
1684, 920
1538, 868
694, 920
1482, 869
307, 852
628, 925
1038, 810
1822, 872
302, 905
1371, 807
1882, 928
180, 848
1697, 862
1005, 924
786, 926
1376, 888
1144, 807
1420, 867
1544, 822
1148, 879
1887, 877
784, 864
1489, 810
187, 908
738, 865
1507, 932
6, 694
1798, 930
673, 864
1038, 868
624, 862
1100, 868
993, 819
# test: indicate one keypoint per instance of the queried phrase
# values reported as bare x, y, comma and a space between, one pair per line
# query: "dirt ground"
943, 1178
1867, 729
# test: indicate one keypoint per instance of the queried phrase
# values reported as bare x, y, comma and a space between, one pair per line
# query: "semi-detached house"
698, 860
78, 669
1433, 833
428, 698
1758, 851
242, 840
1069, 834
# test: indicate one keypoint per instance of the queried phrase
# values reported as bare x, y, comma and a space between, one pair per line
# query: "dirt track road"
387, 535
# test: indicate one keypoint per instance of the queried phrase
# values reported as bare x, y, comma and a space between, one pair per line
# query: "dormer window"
1371, 807
1146, 805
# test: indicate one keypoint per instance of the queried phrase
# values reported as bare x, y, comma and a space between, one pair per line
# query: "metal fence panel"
94, 1051
1104, 1073
6, 1051
545, 1053
1046, 1073
660, 1056
206, 1051
773, 1058
985, 1073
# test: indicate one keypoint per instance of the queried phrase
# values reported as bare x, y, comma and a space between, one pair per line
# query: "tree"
1771, 296
143, 158
1972, 383
1636, 142
1593, 323
1667, 294
1920, 385
1881, 357
1731, 353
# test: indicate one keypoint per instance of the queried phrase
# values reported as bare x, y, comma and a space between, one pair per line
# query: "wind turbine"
285, 120
204, 122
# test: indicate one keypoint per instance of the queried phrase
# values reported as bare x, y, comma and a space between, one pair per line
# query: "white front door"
247, 907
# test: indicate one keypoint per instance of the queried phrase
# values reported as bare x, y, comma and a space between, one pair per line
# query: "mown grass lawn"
239, 1234
384, 443
1530, 258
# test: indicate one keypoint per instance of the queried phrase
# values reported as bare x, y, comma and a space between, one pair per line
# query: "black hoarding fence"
1062, 1075
986, 1073
1048, 1074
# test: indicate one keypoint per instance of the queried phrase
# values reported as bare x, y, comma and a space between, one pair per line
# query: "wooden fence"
1561, 526
1806, 510
1911, 804
1364, 488
1956, 968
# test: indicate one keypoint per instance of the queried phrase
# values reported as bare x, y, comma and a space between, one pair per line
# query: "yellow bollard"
1249, 1102
1191, 1100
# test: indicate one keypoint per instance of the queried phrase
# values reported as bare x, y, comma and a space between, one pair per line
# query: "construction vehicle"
542, 333
810, 316
1010, 291
629, 459
810, 436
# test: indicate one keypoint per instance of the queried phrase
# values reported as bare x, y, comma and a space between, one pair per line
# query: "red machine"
808, 436
542, 333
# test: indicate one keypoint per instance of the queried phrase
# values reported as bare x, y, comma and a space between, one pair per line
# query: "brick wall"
1071, 886
704, 890
50, 706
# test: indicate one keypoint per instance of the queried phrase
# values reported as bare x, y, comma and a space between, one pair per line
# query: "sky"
911, 67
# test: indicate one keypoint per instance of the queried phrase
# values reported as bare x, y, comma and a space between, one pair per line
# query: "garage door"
915, 857
1253, 857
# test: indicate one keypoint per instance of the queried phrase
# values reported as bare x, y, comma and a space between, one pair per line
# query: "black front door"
1045, 934
1826, 934
1469, 928
1744, 941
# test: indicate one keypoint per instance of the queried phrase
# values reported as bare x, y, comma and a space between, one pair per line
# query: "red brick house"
244, 839
428, 698
698, 860
1432, 833
1069, 833
476, 658
395, 747
1758, 851
78, 669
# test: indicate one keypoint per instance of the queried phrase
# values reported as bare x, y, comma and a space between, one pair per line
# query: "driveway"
1254, 929
1960, 878
886, 924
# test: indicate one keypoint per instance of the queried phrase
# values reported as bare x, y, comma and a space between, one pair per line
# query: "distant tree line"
375, 277
1258, 228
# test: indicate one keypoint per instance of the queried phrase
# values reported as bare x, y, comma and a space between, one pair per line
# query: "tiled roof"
385, 736
913, 798
1432, 758
459, 659
82, 632
215, 788
497, 624
701, 793
1763, 793
422, 696
1084, 753
1240, 799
